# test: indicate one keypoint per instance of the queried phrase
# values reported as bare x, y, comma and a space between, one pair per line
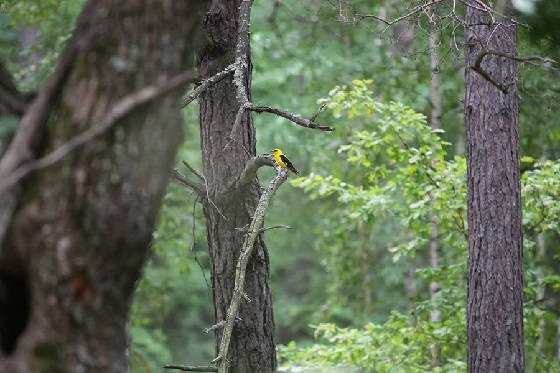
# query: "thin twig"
193, 245
213, 204
196, 187
123, 107
308, 123
319, 111
240, 79
413, 11
194, 171
280, 226
218, 325
189, 368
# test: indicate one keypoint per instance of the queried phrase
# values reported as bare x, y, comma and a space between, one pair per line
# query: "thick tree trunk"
495, 277
79, 238
252, 346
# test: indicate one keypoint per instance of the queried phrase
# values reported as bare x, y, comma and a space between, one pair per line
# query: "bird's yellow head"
276, 151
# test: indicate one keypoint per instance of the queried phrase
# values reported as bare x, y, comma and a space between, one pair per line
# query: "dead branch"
188, 368
207, 83
418, 8
123, 107
308, 123
245, 254
482, 7
279, 226
544, 61
194, 171
216, 326
239, 69
200, 189
250, 171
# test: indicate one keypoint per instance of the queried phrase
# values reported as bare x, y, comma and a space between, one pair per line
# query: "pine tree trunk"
495, 276
252, 346
79, 237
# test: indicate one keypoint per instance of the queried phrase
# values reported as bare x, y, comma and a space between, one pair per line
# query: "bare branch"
241, 66
280, 226
545, 61
190, 97
320, 109
188, 368
194, 171
118, 111
292, 117
200, 189
217, 326
413, 11
245, 254
250, 171
491, 12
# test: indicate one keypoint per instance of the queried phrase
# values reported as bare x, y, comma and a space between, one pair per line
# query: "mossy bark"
82, 231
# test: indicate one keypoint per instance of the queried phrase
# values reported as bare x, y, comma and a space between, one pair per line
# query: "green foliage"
172, 302
356, 261
398, 345
52, 22
405, 177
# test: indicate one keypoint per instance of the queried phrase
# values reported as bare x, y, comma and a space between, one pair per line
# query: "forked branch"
250, 171
239, 69
536, 60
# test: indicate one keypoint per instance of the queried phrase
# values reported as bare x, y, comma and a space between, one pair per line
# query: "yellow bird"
283, 161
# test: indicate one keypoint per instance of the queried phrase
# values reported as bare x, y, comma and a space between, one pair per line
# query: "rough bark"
252, 347
495, 277
78, 240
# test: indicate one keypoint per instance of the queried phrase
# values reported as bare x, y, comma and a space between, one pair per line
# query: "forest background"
354, 270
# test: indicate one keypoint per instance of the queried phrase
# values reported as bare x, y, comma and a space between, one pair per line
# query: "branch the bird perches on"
255, 228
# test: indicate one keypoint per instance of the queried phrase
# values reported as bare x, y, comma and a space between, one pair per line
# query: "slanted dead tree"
234, 203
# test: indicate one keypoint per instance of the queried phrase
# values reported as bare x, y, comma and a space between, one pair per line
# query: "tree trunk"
79, 238
252, 346
435, 122
495, 276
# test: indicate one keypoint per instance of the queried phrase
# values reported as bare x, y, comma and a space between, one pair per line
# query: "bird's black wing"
289, 164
